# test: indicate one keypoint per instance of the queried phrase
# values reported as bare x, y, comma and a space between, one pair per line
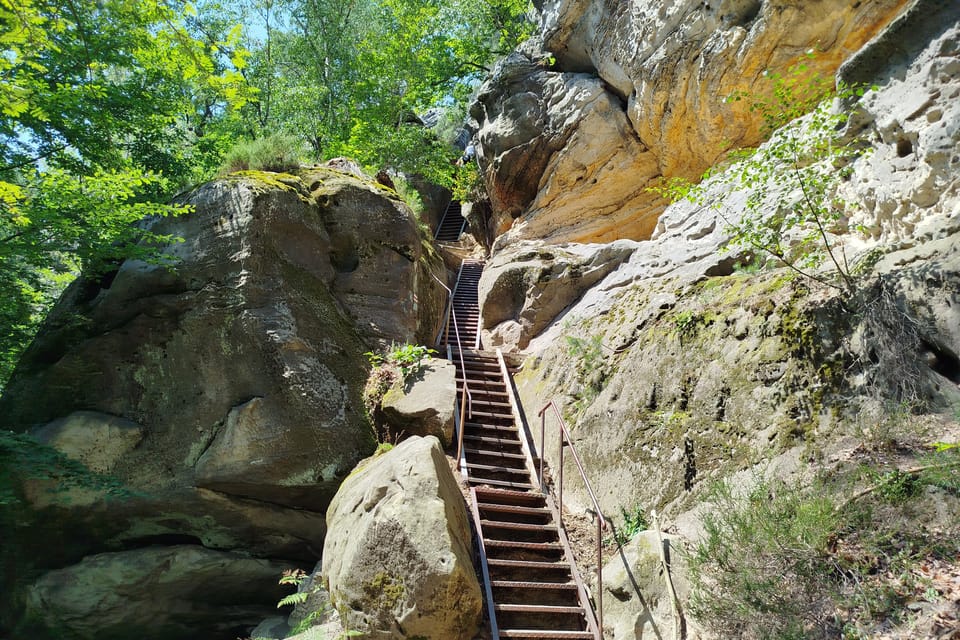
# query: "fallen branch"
912, 471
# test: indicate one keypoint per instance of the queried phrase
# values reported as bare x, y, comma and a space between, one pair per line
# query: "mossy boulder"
397, 558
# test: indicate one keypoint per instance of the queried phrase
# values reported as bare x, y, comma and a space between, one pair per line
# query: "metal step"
513, 508
537, 608
529, 564
490, 468
491, 440
506, 430
519, 526
544, 634
484, 453
505, 496
525, 584
525, 546
499, 483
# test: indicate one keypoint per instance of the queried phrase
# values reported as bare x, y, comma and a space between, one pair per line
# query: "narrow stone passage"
532, 586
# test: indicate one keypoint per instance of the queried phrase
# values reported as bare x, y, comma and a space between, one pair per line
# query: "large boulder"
525, 288
164, 592
424, 404
571, 137
224, 392
552, 142
637, 599
383, 262
397, 557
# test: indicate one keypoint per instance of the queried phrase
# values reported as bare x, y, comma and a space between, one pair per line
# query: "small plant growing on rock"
791, 182
399, 362
634, 522
278, 152
409, 358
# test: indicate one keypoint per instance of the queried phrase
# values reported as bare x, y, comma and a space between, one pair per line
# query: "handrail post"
564, 438
543, 444
560, 506
600, 573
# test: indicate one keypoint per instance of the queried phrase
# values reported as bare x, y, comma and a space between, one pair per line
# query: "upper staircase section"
452, 225
463, 315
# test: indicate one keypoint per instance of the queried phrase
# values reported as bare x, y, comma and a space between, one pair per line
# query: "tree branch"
20, 165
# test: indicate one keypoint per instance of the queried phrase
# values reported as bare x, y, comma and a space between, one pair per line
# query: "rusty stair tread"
513, 508
529, 546
492, 404
519, 526
478, 384
492, 414
507, 428
487, 453
489, 439
561, 565
499, 483
488, 467
506, 494
545, 634
538, 608
499, 394
528, 584
481, 372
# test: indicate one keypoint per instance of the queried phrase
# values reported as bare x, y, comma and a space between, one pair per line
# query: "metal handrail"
466, 398
565, 439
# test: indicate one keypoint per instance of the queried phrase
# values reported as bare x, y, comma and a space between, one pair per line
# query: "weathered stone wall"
625, 92
225, 392
700, 370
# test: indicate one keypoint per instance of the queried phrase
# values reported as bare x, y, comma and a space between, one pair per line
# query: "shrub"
277, 152
399, 362
761, 569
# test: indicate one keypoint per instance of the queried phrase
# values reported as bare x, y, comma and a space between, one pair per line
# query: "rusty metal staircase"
533, 589
452, 224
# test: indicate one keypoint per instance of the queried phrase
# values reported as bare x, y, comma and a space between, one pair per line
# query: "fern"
294, 598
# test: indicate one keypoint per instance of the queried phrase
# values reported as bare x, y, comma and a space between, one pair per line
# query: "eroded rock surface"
525, 288
424, 404
638, 91
705, 370
561, 160
636, 596
223, 393
158, 592
397, 558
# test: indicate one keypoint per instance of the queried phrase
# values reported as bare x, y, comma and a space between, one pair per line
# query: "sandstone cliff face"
678, 369
638, 91
234, 379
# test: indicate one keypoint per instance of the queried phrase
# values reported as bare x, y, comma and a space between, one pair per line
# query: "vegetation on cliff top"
108, 108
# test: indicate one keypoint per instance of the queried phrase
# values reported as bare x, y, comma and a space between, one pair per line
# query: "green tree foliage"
103, 105
352, 77
107, 107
